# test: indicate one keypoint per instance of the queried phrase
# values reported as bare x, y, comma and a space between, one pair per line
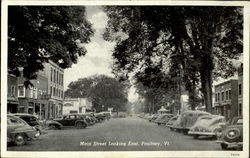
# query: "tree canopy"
37, 34
160, 44
104, 92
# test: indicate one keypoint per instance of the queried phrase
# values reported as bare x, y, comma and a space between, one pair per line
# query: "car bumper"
230, 144
201, 133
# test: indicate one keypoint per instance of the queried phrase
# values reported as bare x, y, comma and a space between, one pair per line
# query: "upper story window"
240, 89
51, 74
222, 96
54, 76
13, 91
218, 97
21, 91
35, 93
227, 95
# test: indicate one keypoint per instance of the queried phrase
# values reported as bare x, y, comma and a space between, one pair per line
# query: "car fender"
51, 122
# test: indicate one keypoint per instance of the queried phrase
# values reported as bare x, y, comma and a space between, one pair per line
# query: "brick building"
12, 100
44, 99
55, 79
31, 98
240, 92
226, 99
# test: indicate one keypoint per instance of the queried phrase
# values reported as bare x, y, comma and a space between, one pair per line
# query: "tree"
184, 39
104, 92
37, 34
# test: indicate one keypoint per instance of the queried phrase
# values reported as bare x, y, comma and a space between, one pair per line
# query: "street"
117, 134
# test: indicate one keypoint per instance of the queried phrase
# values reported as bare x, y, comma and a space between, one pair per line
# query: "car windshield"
28, 118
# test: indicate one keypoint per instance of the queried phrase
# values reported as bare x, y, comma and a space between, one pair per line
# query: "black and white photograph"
125, 77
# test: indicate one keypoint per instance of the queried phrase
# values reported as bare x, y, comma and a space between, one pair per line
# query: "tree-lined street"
121, 134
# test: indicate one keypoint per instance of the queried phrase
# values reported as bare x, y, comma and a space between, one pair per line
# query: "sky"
98, 59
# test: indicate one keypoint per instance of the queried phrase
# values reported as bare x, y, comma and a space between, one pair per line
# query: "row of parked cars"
24, 127
198, 123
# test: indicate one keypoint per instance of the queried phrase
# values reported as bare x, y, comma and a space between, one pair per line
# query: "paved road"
121, 134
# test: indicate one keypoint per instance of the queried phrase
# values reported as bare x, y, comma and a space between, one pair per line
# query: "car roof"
196, 111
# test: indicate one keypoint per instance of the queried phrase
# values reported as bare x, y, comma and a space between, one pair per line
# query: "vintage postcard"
125, 78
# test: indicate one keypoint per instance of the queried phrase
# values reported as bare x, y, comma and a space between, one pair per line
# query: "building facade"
44, 99
240, 90
31, 98
12, 99
55, 79
226, 99
76, 105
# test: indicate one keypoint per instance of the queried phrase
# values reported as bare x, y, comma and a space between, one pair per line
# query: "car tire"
80, 125
223, 146
20, 139
185, 132
171, 129
232, 139
52, 126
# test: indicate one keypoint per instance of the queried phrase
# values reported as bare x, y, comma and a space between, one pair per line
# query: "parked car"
70, 120
163, 119
18, 131
171, 121
187, 119
122, 114
100, 117
207, 125
31, 120
153, 117
232, 134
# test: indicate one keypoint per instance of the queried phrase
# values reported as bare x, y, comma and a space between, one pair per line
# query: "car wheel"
80, 125
20, 139
223, 146
171, 129
185, 132
52, 126
159, 124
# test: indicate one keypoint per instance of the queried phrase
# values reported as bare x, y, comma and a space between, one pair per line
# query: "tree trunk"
207, 90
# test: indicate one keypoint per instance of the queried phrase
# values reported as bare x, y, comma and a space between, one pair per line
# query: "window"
57, 77
31, 92
240, 89
21, 91
13, 91
54, 91
218, 97
35, 93
227, 95
51, 90
240, 109
51, 74
54, 75
222, 96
